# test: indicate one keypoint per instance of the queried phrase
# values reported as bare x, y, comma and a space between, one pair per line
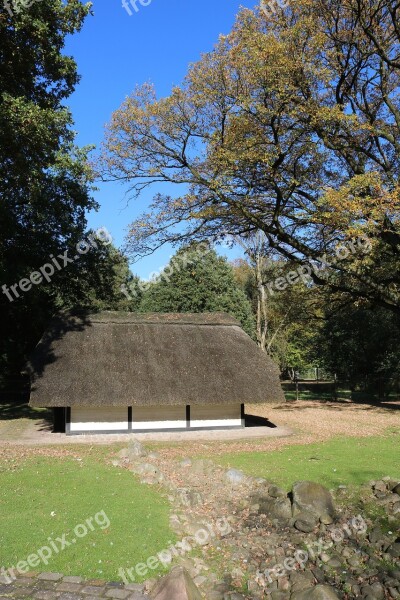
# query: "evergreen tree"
198, 280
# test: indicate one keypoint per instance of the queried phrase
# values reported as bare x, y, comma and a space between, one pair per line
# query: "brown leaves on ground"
311, 421
12, 456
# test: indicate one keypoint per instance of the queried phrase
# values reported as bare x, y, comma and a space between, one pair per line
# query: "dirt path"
329, 419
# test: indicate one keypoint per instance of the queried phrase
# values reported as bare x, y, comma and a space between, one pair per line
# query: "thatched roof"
125, 359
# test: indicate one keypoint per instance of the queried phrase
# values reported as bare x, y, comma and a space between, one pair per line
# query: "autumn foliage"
291, 126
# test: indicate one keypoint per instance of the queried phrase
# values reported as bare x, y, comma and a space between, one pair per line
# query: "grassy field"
46, 491
41, 499
346, 460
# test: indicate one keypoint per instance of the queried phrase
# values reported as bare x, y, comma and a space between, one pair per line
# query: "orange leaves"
360, 204
289, 126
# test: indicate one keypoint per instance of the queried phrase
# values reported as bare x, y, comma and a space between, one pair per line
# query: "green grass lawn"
349, 461
43, 498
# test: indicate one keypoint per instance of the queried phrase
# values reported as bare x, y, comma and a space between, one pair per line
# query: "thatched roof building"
150, 363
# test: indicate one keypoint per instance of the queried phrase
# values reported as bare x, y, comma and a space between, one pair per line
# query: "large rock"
276, 492
306, 522
177, 585
235, 477
187, 497
148, 472
394, 550
396, 489
313, 498
136, 449
275, 508
319, 592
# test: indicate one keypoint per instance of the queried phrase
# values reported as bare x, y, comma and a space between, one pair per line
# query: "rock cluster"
310, 544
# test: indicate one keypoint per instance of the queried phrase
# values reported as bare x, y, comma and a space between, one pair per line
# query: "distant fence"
315, 374
377, 390
309, 374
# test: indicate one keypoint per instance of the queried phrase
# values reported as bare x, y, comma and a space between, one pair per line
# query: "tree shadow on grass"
340, 405
11, 409
47, 423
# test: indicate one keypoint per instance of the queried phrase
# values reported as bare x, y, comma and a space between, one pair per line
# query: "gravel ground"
321, 421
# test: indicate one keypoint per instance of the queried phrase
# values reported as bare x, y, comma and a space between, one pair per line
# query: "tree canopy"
45, 181
289, 126
198, 280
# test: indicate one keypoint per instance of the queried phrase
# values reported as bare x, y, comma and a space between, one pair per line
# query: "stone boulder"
276, 492
235, 477
396, 489
177, 585
319, 592
312, 498
275, 508
306, 522
188, 497
148, 473
394, 550
136, 449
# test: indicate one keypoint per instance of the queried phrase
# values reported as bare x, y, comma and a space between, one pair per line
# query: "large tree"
45, 183
291, 126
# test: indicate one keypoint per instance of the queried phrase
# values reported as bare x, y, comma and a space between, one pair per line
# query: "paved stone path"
54, 586
36, 433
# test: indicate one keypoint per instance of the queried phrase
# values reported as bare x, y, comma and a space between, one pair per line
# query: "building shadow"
255, 421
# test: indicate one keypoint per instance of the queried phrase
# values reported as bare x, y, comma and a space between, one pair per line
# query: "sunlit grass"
346, 460
43, 498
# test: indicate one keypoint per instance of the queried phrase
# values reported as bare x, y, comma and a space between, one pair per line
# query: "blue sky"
114, 52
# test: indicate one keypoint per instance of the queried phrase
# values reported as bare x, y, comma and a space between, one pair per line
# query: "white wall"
228, 415
153, 417
98, 419
158, 417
